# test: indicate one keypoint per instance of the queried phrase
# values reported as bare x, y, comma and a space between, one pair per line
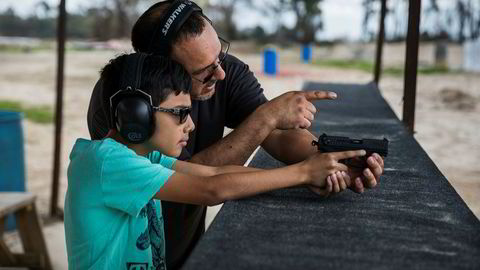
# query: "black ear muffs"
131, 108
134, 119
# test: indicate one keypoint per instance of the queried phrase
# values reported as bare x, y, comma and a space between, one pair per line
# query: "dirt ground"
446, 123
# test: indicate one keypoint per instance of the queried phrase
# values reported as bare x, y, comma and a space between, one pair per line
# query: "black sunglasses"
182, 113
225, 46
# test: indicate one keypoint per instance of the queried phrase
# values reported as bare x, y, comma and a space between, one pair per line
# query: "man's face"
170, 135
199, 56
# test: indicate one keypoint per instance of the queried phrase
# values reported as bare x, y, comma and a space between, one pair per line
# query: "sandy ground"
445, 124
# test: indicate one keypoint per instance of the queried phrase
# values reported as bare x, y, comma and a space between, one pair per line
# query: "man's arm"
290, 146
292, 110
204, 170
237, 146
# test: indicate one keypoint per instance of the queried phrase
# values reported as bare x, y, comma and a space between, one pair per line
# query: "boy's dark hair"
145, 26
160, 77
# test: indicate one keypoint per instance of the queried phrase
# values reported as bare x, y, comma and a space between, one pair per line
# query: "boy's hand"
357, 177
321, 165
335, 183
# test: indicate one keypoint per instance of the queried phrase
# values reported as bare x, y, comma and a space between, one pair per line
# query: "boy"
111, 219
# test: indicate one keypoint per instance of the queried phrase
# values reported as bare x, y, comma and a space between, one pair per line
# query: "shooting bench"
413, 219
35, 255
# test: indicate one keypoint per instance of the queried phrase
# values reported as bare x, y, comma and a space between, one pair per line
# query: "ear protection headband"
171, 22
131, 108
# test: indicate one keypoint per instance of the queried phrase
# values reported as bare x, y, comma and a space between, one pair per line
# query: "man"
224, 93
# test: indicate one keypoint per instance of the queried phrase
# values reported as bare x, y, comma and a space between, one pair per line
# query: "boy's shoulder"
100, 157
98, 149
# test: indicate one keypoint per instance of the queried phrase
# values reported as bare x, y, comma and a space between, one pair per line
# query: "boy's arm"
212, 190
228, 185
203, 170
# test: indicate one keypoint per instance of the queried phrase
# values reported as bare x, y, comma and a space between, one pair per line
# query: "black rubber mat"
413, 219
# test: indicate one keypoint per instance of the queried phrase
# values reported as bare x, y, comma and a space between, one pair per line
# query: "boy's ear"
110, 133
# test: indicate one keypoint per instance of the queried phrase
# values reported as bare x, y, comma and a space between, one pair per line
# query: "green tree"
368, 13
221, 13
308, 15
309, 19
10, 23
125, 11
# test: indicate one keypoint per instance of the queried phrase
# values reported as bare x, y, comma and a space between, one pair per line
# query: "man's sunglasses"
182, 113
225, 46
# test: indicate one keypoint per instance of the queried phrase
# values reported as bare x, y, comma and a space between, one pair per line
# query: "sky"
342, 18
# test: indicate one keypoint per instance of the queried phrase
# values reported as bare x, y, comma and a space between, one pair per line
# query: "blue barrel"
307, 53
12, 168
270, 61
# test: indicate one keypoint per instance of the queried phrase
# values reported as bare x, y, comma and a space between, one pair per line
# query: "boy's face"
170, 136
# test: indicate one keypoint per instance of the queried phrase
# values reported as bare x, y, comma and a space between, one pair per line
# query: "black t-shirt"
235, 98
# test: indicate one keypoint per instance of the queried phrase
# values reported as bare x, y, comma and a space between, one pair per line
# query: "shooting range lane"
413, 219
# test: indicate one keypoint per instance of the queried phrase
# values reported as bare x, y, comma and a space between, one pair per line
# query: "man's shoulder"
97, 92
238, 73
97, 119
232, 61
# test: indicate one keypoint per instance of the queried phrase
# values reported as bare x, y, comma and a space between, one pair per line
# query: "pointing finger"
317, 95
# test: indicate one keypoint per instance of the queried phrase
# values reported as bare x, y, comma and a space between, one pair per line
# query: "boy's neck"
140, 149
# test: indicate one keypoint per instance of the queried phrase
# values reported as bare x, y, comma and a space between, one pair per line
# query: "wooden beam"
61, 36
380, 41
411, 64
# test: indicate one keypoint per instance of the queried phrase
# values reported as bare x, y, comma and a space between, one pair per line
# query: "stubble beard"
207, 96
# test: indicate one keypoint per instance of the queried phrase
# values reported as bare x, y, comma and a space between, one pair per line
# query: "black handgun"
337, 144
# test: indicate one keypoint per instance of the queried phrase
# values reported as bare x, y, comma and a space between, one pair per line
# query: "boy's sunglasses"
182, 113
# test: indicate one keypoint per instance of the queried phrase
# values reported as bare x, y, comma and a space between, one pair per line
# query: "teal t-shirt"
111, 220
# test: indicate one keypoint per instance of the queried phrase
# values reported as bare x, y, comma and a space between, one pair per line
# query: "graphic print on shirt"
143, 212
156, 236
137, 266
143, 241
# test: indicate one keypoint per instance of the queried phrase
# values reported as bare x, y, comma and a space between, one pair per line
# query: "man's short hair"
160, 77
144, 28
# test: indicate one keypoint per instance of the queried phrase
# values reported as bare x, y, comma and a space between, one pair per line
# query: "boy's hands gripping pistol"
327, 144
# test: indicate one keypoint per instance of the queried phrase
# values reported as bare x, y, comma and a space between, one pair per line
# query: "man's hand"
293, 109
366, 177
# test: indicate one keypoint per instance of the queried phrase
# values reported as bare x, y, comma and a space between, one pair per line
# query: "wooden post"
61, 33
380, 41
411, 64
